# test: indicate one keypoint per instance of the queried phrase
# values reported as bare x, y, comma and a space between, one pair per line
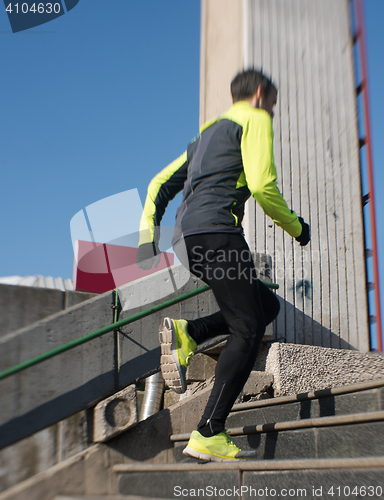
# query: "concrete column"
221, 54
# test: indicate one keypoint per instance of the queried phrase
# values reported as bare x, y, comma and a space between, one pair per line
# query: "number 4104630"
36, 8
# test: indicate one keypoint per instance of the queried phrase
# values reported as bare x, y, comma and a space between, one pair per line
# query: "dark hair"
246, 83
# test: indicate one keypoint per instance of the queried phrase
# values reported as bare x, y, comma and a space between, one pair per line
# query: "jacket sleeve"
260, 172
161, 190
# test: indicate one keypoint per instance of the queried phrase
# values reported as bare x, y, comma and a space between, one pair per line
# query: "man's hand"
304, 237
148, 255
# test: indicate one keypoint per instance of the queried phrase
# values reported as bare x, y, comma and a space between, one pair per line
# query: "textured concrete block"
302, 368
261, 359
170, 398
257, 383
201, 368
115, 414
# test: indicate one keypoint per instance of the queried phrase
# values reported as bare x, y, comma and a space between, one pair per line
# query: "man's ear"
257, 97
260, 92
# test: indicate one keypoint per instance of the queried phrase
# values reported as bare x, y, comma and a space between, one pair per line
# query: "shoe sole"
205, 456
173, 373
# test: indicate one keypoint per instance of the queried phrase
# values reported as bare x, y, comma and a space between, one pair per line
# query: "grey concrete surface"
201, 367
170, 398
109, 497
257, 383
115, 414
301, 368
343, 441
342, 404
20, 306
42, 450
315, 483
169, 484
66, 384
87, 473
90, 471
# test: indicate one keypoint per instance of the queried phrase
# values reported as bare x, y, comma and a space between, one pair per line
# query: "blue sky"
95, 103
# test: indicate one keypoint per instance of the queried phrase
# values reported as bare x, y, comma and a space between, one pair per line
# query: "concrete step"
79, 497
348, 440
112, 497
323, 424
323, 404
325, 478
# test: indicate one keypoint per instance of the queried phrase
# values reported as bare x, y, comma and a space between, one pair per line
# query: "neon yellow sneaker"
177, 348
218, 448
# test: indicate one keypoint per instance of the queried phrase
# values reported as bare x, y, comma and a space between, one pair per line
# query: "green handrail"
113, 326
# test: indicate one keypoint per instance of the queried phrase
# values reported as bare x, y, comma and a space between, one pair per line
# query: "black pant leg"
228, 268
211, 326
270, 303
202, 329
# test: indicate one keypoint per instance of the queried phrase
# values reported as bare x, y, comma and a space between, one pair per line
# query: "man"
231, 160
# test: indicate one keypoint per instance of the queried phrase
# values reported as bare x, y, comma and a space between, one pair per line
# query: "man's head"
256, 88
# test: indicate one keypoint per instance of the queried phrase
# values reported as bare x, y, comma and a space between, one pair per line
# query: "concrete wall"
35, 402
23, 305
307, 47
39, 452
74, 380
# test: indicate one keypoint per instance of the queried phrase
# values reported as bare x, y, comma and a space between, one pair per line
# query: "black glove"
304, 237
148, 254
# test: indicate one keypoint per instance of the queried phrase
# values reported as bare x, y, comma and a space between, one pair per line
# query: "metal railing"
110, 328
363, 87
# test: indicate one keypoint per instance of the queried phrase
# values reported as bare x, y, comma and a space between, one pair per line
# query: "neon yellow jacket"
231, 160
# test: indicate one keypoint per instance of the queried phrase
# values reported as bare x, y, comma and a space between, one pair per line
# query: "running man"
231, 160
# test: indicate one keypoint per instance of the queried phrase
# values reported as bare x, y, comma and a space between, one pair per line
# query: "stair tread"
297, 464
93, 497
106, 497
298, 424
318, 394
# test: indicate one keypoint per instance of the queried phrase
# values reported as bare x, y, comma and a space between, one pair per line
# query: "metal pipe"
154, 386
363, 60
114, 326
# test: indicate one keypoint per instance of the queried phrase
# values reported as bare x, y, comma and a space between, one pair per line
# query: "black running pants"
224, 262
